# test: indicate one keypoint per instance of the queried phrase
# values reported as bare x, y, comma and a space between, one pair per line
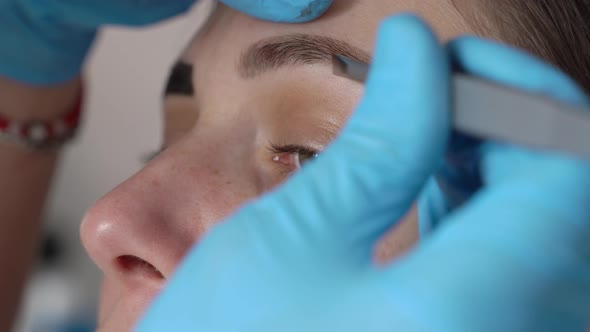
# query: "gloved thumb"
369, 177
292, 11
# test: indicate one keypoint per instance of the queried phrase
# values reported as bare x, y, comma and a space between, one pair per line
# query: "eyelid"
289, 157
292, 148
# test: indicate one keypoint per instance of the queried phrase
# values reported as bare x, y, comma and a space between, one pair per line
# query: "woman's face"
260, 102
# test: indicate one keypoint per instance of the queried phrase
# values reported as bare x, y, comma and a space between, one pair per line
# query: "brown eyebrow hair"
294, 50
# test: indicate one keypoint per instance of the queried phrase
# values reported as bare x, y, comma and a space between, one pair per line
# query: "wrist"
23, 102
39, 118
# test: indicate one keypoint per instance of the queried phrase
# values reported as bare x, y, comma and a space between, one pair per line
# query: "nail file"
491, 111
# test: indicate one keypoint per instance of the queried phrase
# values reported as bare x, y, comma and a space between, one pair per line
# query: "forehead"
355, 21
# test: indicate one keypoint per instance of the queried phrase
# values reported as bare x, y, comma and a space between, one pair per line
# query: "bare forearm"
25, 177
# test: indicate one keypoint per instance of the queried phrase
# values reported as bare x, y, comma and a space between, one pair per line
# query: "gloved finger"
292, 11
371, 175
528, 194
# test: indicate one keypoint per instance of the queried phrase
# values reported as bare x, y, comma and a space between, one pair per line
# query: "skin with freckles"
236, 138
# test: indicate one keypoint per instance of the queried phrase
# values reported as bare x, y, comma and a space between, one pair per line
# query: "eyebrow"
180, 81
295, 50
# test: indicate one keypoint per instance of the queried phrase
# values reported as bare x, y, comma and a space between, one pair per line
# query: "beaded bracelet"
42, 135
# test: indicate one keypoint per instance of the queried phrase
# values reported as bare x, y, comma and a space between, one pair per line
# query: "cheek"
399, 239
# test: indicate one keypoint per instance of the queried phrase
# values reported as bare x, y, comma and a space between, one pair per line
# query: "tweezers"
491, 111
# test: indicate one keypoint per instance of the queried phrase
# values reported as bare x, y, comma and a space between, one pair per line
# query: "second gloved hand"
46, 41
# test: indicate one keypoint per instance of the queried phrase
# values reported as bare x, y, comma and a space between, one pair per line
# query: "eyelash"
291, 149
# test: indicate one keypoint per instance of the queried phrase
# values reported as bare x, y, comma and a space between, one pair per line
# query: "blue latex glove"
46, 41
519, 222
514, 258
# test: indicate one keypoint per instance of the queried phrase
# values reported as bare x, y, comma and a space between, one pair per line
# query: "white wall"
126, 75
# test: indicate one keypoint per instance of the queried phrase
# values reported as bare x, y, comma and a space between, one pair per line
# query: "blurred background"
125, 78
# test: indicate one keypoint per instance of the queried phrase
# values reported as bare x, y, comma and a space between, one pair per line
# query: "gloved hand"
513, 258
519, 222
45, 42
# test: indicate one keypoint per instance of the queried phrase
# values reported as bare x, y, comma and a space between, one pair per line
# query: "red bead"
49, 130
24, 130
71, 119
38, 133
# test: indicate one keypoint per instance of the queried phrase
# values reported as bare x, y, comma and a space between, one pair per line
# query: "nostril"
136, 266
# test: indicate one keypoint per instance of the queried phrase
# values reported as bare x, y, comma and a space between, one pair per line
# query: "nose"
130, 236
138, 233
